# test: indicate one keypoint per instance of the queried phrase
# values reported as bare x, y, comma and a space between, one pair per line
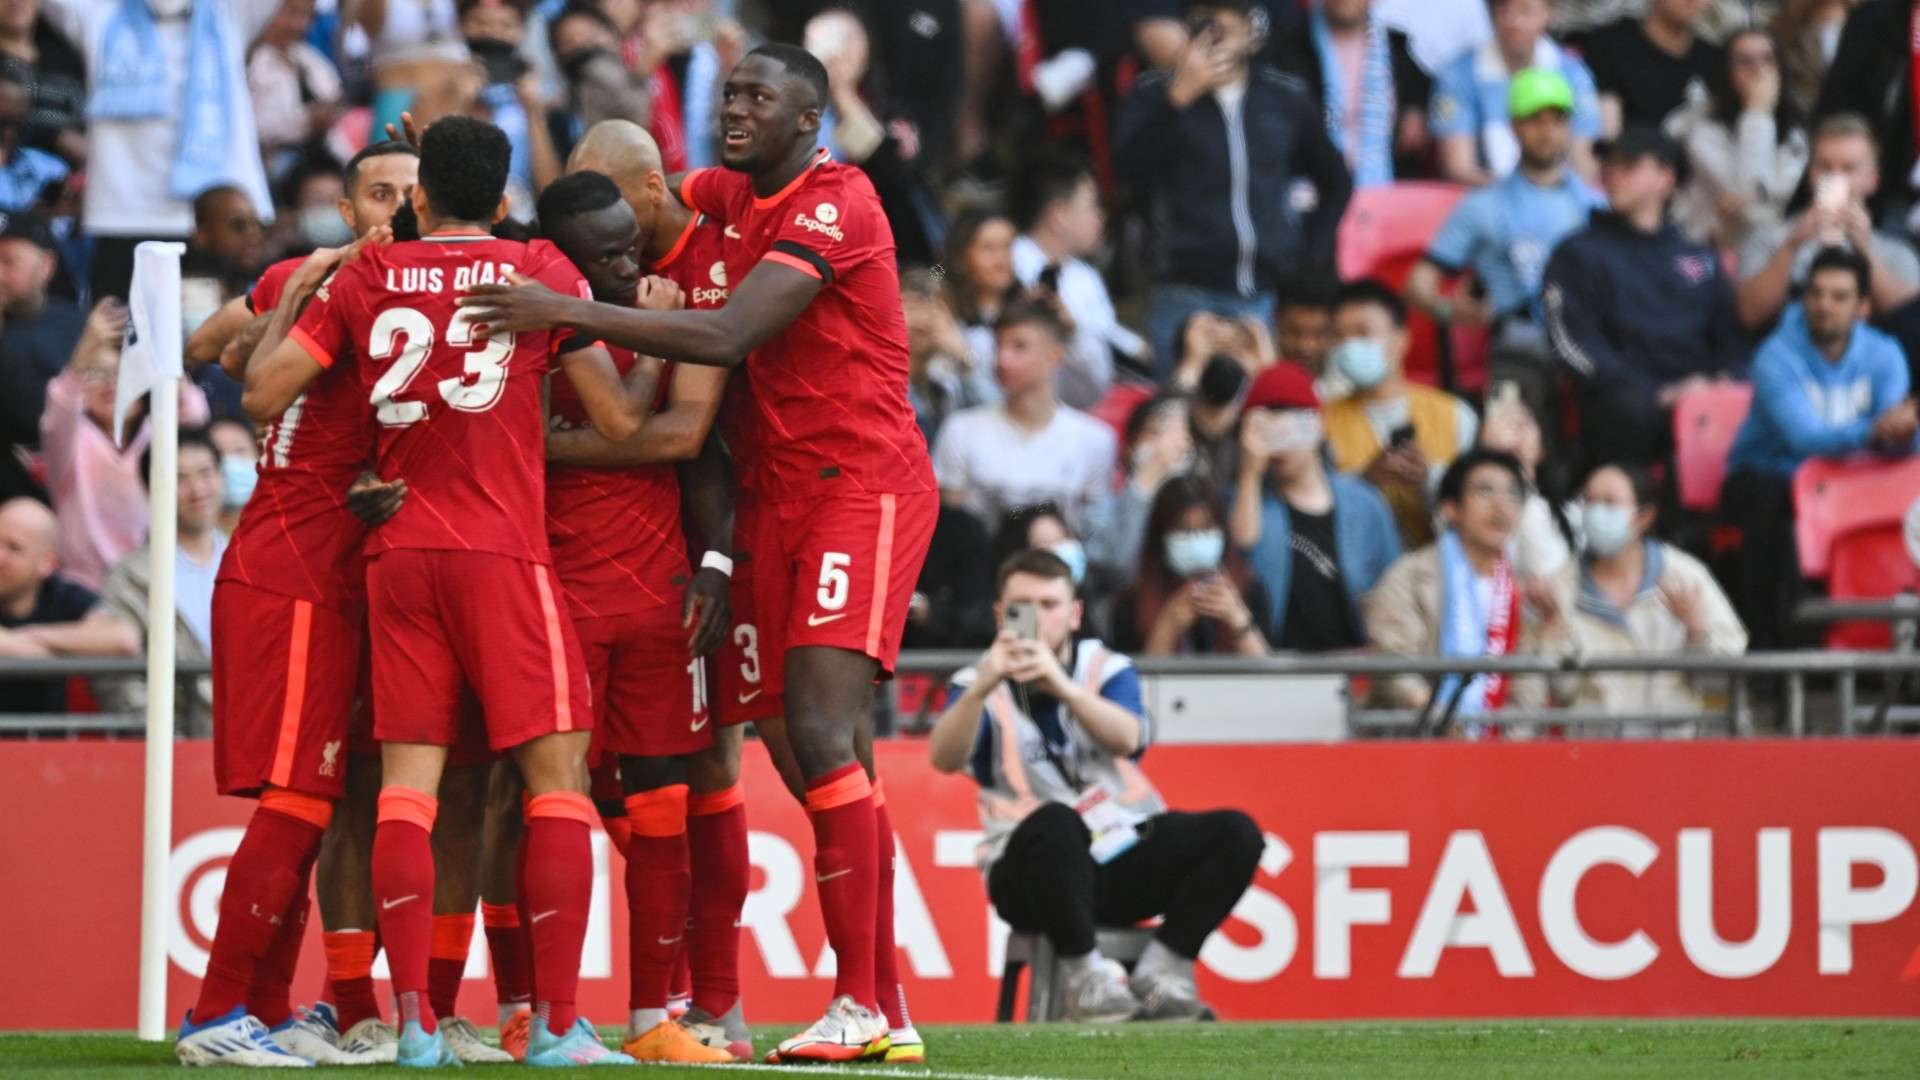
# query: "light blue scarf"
131, 83
1463, 624
1372, 160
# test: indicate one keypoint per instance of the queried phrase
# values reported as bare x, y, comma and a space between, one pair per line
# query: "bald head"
620, 148
29, 535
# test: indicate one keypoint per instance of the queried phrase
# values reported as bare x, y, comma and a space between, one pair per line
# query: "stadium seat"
1832, 498
1705, 422
1384, 233
1869, 564
1118, 405
1046, 990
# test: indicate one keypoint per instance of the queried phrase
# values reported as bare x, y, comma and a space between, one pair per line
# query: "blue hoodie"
1807, 406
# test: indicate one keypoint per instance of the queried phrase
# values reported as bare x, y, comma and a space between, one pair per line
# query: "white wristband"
717, 561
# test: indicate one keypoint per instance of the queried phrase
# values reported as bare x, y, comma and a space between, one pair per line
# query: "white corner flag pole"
150, 364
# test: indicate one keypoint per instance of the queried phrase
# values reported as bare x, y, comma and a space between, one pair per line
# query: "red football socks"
265, 879
447, 961
270, 998
403, 887
350, 975
840, 805
559, 888
886, 971
657, 884
507, 949
717, 844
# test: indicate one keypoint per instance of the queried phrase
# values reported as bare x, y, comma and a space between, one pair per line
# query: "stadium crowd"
1171, 397
1122, 230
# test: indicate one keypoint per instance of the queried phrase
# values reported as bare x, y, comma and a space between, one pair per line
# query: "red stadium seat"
1384, 233
1833, 498
1869, 564
1704, 424
1118, 405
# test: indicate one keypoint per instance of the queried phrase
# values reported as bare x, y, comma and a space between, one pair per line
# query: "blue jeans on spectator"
1173, 305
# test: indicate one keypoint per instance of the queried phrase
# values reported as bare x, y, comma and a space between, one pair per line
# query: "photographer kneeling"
1050, 728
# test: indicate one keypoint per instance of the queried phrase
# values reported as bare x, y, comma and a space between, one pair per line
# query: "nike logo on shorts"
822, 879
543, 914
389, 905
698, 724
730, 233
815, 620
744, 698
671, 940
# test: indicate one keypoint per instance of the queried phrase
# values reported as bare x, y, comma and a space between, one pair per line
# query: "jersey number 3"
476, 389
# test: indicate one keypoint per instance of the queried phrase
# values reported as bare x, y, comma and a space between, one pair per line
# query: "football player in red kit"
461, 592
687, 249
618, 549
287, 633
849, 488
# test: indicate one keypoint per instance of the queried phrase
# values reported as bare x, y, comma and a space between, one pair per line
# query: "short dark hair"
1319, 295
578, 9
1033, 313
1844, 125
1034, 562
350, 176
1375, 292
1238, 7
575, 194
1645, 492
1845, 259
188, 437
1052, 175
800, 64
463, 167
1453, 482
203, 202
1144, 413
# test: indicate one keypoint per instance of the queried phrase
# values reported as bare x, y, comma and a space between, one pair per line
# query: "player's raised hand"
408, 133
707, 610
658, 294
524, 305
374, 500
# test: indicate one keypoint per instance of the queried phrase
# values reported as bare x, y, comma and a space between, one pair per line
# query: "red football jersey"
830, 390
296, 537
615, 532
458, 414
699, 264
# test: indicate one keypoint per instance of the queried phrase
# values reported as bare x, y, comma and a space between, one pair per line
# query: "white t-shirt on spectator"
999, 466
128, 161
193, 589
1097, 333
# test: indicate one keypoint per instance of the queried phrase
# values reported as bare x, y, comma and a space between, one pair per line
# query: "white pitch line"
857, 1070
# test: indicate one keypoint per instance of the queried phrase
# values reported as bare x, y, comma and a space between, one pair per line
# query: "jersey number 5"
476, 389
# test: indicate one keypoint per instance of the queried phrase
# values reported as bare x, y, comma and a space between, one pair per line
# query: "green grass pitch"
1600, 1048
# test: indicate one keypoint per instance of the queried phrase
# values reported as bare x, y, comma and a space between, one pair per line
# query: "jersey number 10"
477, 389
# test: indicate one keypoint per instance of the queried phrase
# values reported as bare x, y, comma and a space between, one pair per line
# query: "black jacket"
1871, 75
1223, 197
1651, 309
1292, 51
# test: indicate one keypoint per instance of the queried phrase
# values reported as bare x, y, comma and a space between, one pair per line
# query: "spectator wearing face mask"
1191, 594
1631, 594
1157, 447
1029, 448
1218, 358
511, 96
1398, 435
586, 46
1459, 597
1042, 527
239, 467
1318, 540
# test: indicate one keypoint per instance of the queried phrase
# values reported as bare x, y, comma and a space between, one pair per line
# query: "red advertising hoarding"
1759, 878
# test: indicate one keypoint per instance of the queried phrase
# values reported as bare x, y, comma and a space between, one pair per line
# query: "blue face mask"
1074, 554
1193, 553
1361, 360
1608, 529
240, 475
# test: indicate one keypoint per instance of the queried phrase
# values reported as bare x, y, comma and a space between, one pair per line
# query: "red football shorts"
846, 573
284, 675
470, 748
746, 668
444, 622
649, 694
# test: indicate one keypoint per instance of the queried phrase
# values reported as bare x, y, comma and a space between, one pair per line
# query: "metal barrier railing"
1794, 668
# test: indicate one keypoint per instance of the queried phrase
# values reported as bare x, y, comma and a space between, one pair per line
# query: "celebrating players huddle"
460, 619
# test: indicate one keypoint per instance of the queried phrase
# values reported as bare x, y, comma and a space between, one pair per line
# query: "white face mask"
1196, 552
1608, 528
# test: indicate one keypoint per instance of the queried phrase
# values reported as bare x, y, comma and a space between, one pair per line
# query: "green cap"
1538, 88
